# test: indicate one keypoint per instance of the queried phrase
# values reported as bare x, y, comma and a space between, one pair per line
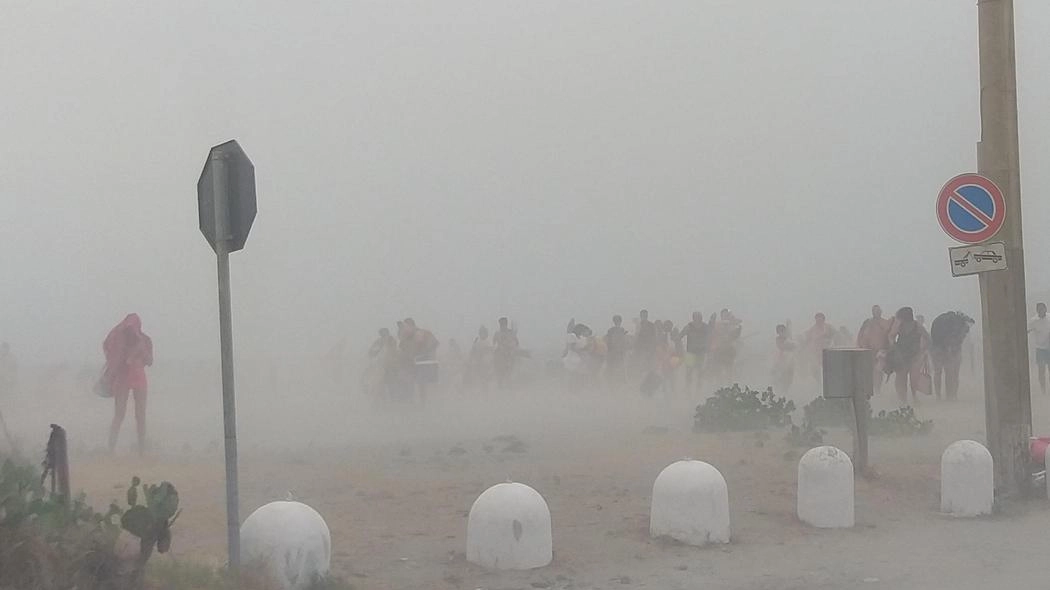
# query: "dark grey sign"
228, 179
848, 372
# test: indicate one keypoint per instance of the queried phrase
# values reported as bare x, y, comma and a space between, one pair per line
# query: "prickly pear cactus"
151, 522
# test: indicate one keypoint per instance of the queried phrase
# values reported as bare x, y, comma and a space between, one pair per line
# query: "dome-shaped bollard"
509, 528
967, 479
290, 538
690, 504
825, 488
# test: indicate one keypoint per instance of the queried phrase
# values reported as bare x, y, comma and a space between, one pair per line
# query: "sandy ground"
395, 485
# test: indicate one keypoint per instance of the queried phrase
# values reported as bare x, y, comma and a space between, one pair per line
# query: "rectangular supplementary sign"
848, 372
971, 260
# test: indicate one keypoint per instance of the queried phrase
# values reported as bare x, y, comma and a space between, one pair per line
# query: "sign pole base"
860, 433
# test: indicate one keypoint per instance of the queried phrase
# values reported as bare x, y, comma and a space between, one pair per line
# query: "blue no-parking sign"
971, 208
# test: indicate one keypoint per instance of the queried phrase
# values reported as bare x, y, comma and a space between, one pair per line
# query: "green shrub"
828, 413
805, 436
839, 412
899, 422
733, 408
47, 541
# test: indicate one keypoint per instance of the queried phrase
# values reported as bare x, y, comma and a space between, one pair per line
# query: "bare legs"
120, 408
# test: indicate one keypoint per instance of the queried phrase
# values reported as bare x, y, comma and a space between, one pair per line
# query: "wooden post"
56, 463
7, 434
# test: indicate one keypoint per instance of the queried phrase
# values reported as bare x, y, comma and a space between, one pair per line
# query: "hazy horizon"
463, 161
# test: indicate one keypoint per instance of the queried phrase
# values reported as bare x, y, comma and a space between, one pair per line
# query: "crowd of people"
652, 356
920, 361
403, 366
655, 352
657, 356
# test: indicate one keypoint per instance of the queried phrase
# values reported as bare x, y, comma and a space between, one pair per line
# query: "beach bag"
427, 371
600, 348
104, 384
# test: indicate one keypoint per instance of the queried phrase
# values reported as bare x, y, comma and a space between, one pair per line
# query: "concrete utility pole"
1007, 386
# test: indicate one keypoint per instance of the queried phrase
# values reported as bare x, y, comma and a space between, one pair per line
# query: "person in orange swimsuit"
128, 352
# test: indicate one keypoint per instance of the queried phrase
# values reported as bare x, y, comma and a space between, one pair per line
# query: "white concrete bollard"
509, 528
690, 504
825, 488
292, 539
967, 479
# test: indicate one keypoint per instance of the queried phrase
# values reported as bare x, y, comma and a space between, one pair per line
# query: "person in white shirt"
1039, 328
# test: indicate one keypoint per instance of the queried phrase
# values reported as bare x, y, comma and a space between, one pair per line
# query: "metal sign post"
229, 406
226, 201
849, 373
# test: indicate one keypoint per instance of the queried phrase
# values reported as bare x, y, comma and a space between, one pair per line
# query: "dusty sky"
455, 161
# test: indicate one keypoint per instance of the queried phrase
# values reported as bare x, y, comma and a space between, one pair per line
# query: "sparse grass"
332, 583
172, 574
805, 436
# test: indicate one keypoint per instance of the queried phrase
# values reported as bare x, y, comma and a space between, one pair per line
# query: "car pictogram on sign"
987, 255
978, 258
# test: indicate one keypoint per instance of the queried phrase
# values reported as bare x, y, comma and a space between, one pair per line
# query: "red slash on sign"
971, 208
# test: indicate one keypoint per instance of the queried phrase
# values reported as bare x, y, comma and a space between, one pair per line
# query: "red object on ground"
1037, 448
